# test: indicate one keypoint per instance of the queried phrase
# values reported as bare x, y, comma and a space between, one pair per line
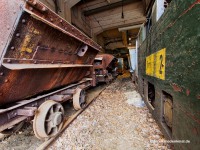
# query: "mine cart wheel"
48, 119
79, 100
109, 78
13, 129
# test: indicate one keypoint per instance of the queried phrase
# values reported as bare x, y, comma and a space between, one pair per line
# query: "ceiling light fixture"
122, 11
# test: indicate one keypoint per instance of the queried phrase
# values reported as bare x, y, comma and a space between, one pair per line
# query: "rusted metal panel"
44, 53
27, 108
105, 67
106, 58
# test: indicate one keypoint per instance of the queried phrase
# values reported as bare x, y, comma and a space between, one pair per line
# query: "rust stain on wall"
187, 92
176, 88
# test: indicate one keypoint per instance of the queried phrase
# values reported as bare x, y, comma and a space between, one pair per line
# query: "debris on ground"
111, 123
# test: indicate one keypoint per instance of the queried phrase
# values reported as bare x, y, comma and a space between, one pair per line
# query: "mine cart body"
169, 72
105, 67
120, 68
43, 52
44, 61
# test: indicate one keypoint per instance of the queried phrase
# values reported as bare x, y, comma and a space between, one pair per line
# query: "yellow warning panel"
150, 65
160, 57
155, 64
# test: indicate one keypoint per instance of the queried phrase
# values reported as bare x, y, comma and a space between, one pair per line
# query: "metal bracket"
82, 50
27, 111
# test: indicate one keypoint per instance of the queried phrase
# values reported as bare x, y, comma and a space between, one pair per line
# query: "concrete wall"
9, 13
80, 21
132, 53
64, 8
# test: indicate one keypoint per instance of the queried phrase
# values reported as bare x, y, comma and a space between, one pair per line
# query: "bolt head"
44, 9
8, 60
31, 8
34, 2
23, 20
17, 35
1, 74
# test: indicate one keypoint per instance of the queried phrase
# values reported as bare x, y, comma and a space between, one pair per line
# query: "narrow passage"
112, 123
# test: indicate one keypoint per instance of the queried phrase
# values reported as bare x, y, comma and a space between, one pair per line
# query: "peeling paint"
176, 87
188, 92
26, 46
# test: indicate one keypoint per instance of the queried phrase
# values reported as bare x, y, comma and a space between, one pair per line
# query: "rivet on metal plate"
17, 35
31, 8
12, 48
34, 2
44, 9
8, 61
23, 20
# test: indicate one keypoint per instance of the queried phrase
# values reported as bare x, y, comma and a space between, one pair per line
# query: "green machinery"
169, 71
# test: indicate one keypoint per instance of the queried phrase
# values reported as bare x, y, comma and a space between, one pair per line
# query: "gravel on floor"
110, 123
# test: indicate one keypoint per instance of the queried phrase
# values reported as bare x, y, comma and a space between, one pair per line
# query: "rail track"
16, 142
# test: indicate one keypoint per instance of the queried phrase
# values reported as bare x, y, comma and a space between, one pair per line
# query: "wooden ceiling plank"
108, 7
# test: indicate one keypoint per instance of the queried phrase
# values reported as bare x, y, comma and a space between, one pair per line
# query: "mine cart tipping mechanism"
45, 62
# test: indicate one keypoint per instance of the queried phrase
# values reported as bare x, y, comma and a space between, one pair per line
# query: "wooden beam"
124, 38
71, 3
144, 6
109, 1
108, 7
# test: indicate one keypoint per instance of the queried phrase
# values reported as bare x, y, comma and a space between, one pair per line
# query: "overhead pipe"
129, 27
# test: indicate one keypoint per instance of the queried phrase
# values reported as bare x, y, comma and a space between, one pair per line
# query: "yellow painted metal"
155, 64
27, 45
150, 65
160, 58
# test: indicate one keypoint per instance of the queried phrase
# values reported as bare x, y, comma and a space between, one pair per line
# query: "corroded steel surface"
105, 68
42, 37
106, 58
